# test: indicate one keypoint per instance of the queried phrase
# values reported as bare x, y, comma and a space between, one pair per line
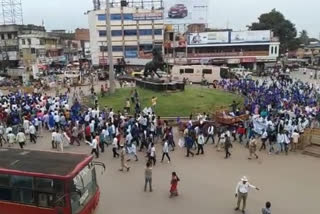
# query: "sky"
235, 14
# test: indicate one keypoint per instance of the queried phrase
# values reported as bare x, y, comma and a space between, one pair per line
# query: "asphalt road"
208, 182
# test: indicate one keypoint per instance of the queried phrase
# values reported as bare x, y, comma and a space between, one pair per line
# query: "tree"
304, 38
280, 26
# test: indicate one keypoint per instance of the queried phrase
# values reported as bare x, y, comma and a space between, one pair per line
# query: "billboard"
251, 36
208, 38
185, 11
147, 16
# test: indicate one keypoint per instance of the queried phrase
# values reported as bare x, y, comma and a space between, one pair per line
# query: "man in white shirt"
94, 145
264, 138
11, 138
165, 151
59, 140
115, 147
200, 143
295, 140
32, 132
21, 138
210, 134
152, 156
53, 140
242, 190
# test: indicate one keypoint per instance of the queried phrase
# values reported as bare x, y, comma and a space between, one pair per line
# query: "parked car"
178, 11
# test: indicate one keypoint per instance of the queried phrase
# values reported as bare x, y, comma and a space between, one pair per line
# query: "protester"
165, 151
148, 177
122, 158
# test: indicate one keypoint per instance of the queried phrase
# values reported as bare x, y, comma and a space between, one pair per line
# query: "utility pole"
109, 42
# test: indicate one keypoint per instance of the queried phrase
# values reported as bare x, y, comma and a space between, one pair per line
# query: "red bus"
41, 182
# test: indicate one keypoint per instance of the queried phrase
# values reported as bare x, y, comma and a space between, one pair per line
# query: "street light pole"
109, 42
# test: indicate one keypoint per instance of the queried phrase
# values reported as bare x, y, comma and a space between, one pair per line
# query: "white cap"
244, 178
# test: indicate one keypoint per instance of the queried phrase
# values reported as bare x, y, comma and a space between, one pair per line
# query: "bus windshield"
83, 187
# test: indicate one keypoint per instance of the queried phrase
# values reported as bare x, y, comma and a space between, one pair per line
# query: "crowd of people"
280, 111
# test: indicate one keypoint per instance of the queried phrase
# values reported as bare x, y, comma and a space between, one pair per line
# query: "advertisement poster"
185, 11
250, 36
209, 38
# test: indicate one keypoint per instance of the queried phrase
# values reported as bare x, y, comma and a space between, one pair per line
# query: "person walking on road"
227, 146
122, 158
200, 143
174, 185
189, 145
152, 156
32, 132
253, 148
94, 145
165, 151
210, 134
21, 138
241, 193
148, 177
115, 148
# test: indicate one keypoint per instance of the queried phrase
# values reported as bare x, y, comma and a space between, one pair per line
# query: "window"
23, 41
33, 50
5, 191
103, 48
181, 71
9, 36
206, 71
145, 32
131, 51
2, 36
271, 49
101, 17
130, 32
117, 48
115, 17
114, 48
116, 33
157, 32
82, 189
275, 50
127, 16
29, 41
131, 48
188, 71
102, 33
22, 192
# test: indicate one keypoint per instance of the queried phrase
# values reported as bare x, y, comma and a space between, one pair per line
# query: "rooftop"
52, 163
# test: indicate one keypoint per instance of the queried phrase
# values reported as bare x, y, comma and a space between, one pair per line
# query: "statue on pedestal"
156, 63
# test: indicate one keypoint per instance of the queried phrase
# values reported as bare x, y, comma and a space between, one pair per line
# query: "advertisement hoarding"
251, 36
185, 11
147, 16
208, 38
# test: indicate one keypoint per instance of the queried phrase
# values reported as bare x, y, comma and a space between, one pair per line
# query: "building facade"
135, 32
39, 48
9, 43
250, 49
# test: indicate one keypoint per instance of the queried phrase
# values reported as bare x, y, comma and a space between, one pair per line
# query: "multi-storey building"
135, 32
9, 42
250, 49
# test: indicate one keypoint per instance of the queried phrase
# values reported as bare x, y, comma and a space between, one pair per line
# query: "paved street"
207, 182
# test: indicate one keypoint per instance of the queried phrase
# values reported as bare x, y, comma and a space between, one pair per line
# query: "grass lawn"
170, 104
